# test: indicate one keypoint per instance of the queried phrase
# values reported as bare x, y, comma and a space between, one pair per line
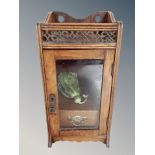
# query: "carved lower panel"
78, 37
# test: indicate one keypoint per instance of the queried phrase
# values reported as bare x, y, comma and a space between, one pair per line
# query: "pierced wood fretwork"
78, 37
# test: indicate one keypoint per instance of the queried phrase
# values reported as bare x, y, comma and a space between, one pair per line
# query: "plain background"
33, 132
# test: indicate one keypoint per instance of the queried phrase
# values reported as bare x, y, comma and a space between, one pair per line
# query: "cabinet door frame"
49, 62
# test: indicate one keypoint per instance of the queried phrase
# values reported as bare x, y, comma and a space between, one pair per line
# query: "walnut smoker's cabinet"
79, 61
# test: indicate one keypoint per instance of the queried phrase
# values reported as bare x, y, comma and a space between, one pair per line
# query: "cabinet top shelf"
96, 17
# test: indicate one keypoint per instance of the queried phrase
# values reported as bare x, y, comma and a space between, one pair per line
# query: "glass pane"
79, 88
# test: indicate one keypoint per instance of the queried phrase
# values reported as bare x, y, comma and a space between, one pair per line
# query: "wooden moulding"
79, 133
79, 46
71, 54
79, 26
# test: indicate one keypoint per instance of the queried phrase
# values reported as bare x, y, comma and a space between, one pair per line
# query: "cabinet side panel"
43, 75
115, 72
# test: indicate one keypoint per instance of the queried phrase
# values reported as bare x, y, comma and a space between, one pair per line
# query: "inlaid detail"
78, 37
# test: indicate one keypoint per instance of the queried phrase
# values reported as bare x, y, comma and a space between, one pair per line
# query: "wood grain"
78, 54
43, 77
79, 133
51, 84
115, 72
106, 90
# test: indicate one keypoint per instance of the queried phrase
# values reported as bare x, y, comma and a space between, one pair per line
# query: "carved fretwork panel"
78, 37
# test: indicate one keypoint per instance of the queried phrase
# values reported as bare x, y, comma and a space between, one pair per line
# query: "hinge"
51, 103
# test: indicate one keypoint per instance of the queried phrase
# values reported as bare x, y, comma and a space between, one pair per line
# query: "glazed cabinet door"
78, 87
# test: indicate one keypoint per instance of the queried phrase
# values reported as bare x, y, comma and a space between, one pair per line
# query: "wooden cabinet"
79, 61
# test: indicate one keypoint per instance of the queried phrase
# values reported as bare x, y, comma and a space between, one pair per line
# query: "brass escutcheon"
77, 120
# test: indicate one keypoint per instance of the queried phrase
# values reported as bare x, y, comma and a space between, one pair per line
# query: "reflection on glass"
79, 88
68, 85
